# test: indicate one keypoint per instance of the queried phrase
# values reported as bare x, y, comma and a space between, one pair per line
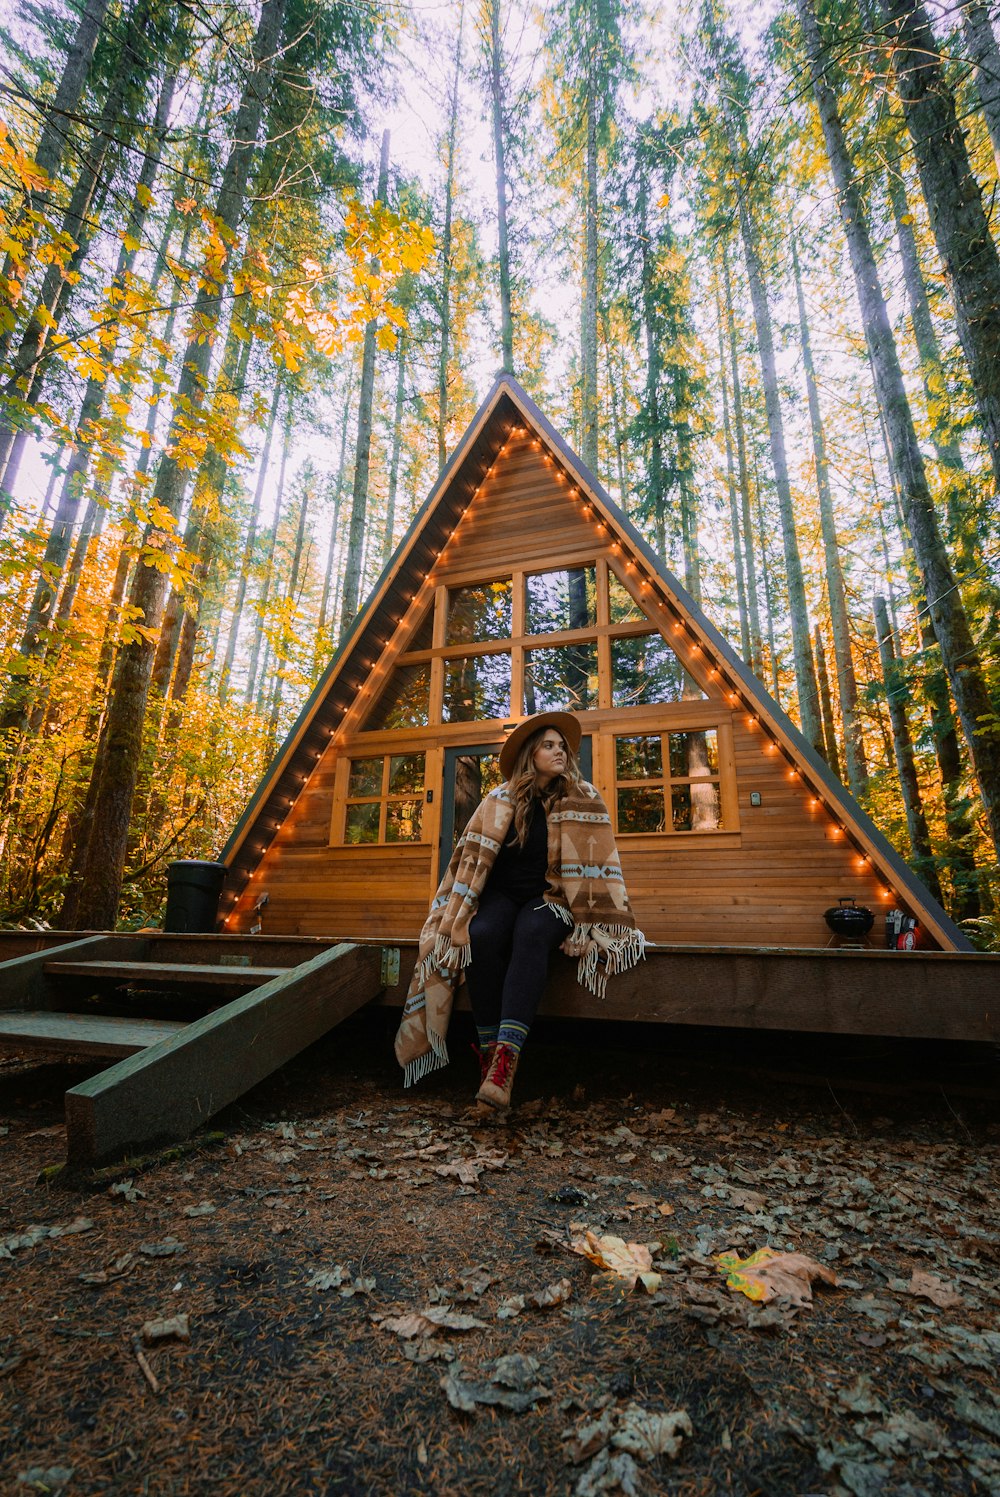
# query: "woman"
538, 855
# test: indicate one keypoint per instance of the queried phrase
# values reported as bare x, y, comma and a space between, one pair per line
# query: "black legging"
511, 947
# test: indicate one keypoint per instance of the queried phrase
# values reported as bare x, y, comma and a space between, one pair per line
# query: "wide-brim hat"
566, 722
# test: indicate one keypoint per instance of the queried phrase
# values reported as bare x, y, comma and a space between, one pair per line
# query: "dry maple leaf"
768, 1275
929, 1286
631, 1261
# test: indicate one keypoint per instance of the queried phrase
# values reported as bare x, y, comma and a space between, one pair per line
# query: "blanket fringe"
610, 949
443, 957
435, 1059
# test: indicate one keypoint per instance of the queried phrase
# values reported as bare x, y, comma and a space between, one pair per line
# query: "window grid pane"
685, 779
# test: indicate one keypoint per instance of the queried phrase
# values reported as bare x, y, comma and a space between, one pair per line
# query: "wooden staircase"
249, 1004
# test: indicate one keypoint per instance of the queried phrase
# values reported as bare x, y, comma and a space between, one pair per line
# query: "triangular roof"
506, 408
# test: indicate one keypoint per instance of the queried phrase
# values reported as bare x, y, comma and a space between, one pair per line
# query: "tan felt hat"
567, 723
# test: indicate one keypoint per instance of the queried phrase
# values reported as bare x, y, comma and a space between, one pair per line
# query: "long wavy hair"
524, 790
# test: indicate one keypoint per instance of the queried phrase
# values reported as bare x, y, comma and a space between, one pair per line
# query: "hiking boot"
499, 1080
485, 1058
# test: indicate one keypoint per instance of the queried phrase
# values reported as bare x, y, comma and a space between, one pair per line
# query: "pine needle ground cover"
346, 1288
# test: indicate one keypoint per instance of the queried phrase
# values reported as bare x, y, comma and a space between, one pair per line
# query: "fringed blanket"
585, 890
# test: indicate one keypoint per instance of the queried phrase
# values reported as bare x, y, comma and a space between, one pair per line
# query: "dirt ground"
300, 1237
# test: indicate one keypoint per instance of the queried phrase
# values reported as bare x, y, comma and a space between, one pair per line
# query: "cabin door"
469, 774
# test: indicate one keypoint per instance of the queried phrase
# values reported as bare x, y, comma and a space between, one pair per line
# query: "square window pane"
640, 809
406, 700
402, 820
695, 808
622, 607
645, 670
362, 823
406, 773
561, 679
638, 758
366, 777
476, 614
560, 600
476, 687
695, 754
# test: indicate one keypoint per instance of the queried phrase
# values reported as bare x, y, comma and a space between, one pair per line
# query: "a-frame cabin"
522, 586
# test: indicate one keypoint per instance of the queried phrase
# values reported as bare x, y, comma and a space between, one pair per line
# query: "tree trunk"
363, 447
847, 684
327, 607
951, 625
265, 591
449, 193
616, 424
589, 412
127, 710
55, 132
26, 373
897, 692
826, 704
981, 43
768, 599
397, 442
756, 655
805, 674
248, 546
39, 622
654, 370
500, 164
734, 518
947, 448
954, 201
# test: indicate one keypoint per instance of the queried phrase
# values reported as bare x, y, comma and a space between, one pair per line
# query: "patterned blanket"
585, 890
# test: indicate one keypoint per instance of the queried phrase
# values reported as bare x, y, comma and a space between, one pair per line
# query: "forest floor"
356, 1265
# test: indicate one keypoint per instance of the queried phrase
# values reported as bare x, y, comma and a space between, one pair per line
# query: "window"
668, 782
480, 613
406, 701
645, 671
563, 678
476, 687
385, 798
554, 601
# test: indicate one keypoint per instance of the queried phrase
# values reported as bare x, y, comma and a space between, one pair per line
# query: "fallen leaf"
509, 1383
115, 1270
467, 1170
128, 1190
204, 1208
172, 1328
929, 1286
428, 1322
647, 1435
164, 1249
766, 1275
632, 1261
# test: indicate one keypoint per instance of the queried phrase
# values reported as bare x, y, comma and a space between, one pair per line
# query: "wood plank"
165, 974
175, 1086
916, 995
24, 985
82, 1034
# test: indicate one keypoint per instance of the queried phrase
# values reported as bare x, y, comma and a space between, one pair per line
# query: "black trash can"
193, 889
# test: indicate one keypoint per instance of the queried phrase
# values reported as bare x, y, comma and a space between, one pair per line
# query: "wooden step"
82, 1034
165, 974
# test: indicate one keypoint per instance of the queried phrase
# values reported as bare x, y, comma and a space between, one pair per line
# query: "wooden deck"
83, 994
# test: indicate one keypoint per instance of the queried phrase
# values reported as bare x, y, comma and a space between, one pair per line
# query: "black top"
519, 872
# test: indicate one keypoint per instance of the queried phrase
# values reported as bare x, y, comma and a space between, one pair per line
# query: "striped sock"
512, 1034
487, 1035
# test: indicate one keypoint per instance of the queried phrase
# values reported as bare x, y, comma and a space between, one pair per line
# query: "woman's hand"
575, 945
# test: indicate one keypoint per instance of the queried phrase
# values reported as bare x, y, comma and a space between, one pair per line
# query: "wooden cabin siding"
764, 879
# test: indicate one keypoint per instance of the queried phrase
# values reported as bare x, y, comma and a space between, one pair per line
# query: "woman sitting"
535, 868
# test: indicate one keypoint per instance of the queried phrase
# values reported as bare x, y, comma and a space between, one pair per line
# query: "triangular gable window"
532, 641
